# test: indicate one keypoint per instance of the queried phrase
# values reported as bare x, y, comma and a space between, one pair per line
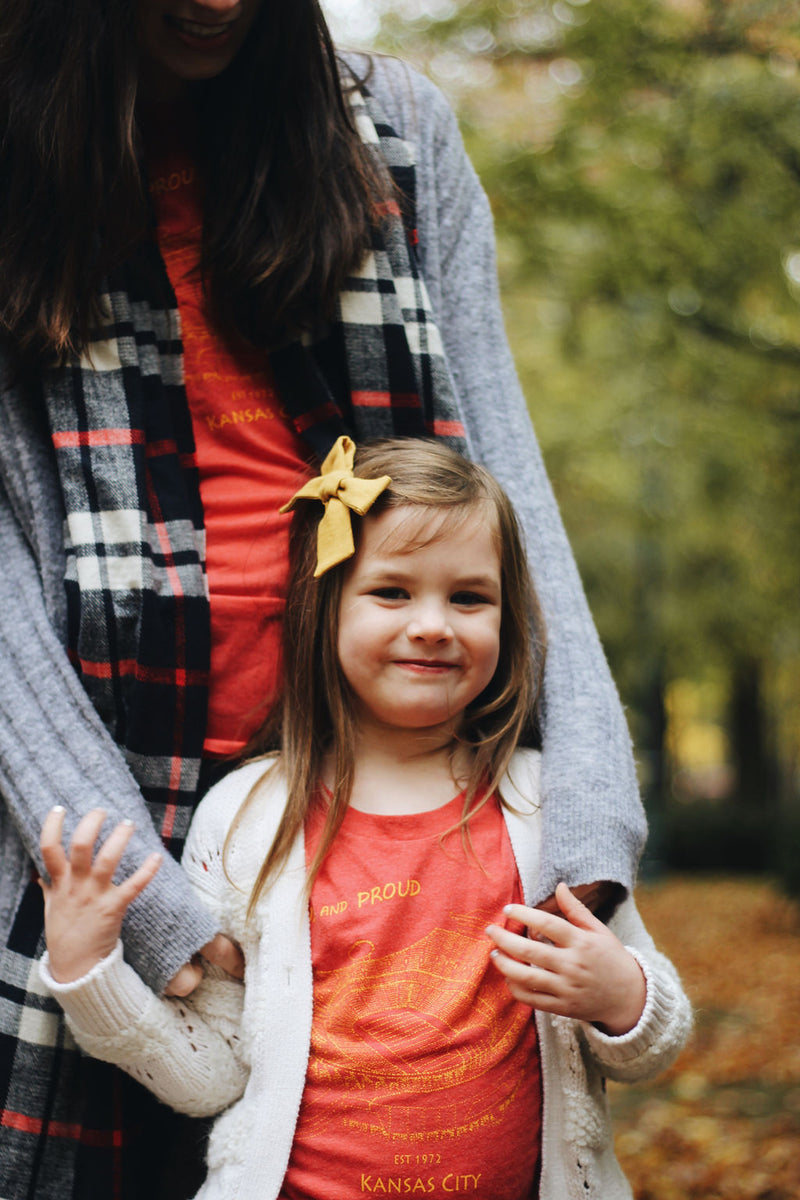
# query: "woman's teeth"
201, 31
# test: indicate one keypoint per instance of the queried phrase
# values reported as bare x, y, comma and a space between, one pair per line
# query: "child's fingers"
50, 844
131, 887
541, 924
531, 985
108, 856
536, 984
576, 911
531, 952
558, 930
81, 848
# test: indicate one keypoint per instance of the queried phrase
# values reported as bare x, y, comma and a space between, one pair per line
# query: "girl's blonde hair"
315, 714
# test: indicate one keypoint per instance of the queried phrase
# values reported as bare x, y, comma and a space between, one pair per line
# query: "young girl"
408, 1024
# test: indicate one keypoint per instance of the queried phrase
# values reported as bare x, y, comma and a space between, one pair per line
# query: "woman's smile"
181, 41
206, 36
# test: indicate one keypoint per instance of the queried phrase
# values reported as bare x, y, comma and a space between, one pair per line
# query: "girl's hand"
83, 909
574, 967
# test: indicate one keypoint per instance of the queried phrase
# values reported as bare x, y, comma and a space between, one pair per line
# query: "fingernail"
127, 821
59, 808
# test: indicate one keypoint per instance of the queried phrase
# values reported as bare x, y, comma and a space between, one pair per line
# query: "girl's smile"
419, 619
426, 665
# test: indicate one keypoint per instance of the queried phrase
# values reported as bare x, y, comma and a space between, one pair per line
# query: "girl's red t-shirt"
424, 1074
249, 457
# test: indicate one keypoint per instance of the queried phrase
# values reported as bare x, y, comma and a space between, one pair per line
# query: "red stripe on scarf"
386, 399
72, 438
165, 675
73, 1131
447, 429
324, 412
168, 446
104, 670
388, 208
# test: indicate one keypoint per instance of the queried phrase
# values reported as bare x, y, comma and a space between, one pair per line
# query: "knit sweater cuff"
104, 1003
653, 1026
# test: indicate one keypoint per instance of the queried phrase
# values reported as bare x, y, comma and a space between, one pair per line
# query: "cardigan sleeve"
53, 747
594, 826
188, 1052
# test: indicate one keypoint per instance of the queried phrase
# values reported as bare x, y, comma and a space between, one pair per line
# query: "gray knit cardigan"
53, 747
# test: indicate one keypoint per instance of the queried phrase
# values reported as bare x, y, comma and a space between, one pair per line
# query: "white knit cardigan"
245, 1049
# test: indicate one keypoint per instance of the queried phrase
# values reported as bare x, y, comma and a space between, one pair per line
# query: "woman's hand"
220, 951
601, 898
574, 967
83, 909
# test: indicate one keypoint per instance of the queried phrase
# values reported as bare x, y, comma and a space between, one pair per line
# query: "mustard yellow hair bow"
340, 491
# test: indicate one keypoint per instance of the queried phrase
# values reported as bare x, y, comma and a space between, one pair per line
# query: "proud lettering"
389, 891
173, 181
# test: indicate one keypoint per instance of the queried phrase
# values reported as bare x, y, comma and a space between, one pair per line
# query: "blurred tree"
643, 159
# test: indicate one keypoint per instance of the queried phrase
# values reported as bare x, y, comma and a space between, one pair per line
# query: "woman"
219, 251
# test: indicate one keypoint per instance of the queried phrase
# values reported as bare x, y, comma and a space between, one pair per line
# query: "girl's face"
185, 40
419, 618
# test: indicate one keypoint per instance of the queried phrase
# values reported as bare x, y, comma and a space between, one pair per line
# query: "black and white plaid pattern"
380, 370
139, 629
139, 633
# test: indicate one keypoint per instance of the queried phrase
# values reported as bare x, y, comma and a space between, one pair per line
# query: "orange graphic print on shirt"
423, 1069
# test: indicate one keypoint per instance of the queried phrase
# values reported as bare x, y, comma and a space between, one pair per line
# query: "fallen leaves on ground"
724, 1121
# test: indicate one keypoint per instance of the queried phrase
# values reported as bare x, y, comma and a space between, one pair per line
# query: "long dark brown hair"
316, 715
292, 192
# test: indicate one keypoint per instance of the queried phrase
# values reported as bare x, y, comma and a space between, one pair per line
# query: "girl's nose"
429, 622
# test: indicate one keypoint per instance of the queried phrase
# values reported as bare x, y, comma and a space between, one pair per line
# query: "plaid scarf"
139, 623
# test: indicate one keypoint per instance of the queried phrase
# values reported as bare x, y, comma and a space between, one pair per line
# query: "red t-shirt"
424, 1074
249, 457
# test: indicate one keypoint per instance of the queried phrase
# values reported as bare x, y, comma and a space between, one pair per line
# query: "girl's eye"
390, 593
468, 599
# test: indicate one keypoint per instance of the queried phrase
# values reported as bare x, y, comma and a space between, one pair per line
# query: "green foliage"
666, 212
643, 161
